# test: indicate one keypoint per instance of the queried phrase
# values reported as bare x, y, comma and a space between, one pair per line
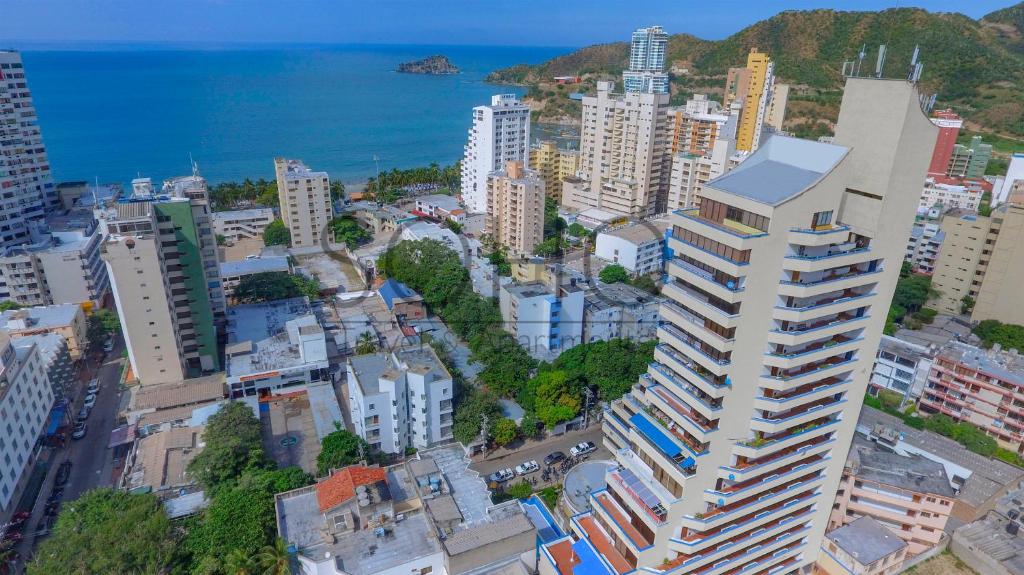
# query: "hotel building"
646, 71
731, 448
500, 134
305, 201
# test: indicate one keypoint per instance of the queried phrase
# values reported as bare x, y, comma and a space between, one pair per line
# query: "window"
340, 522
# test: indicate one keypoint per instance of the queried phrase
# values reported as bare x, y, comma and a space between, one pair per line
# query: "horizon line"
62, 45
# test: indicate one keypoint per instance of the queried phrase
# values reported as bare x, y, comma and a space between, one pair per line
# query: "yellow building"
515, 208
553, 165
753, 85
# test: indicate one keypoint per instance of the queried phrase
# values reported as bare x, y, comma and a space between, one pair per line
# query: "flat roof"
639, 233
442, 201
247, 214
780, 169
912, 473
254, 266
1005, 365
866, 540
266, 326
188, 392
528, 290
44, 316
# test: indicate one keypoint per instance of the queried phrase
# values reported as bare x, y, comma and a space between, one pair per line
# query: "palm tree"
238, 562
366, 344
275, 559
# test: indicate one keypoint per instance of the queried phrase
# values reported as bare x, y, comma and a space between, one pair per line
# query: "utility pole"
587, 394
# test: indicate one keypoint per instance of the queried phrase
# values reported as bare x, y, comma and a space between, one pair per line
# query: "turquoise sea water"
117, 114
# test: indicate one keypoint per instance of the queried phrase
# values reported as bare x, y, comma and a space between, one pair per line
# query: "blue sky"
510, 22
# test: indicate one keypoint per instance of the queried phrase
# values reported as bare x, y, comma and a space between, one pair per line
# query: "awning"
121, 436
56, 419
655, 435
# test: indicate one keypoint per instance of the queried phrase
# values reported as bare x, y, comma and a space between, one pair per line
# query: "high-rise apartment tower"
500, 134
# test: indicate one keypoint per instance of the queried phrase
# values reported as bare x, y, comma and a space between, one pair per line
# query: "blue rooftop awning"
657, 437
590, 563
56, 419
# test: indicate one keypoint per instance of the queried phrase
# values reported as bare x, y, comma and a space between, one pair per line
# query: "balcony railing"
728, 226
686, 387
830, 254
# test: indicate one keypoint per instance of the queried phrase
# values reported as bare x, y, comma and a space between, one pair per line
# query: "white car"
108, 346
502, 475
526, 467
94, 387
80, 430
90, 400
582, 448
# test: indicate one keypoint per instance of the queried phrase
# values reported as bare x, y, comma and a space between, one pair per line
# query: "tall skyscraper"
25, 181
500, 134
161, 256
754, 86
305, 201
515, 208
646, 71
623, 153
731, 447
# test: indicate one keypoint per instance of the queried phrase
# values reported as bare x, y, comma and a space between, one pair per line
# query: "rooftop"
913, 473
988, 537
393, 291
248, 214
618, 295
528, 290
866, 540
1005, 365
187, 393
254, 266
265, 337
904, 349
448, 203
639, 233
780, 169
163, 457
297, 169
41, 317
342, 485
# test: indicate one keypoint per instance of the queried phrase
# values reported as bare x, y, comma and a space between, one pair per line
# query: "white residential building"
965, 195
923, 247
900, 366
1014, 174
55, 356
646, 71
500, 134
66, 320
620, 311
239, 224
639, 247
545, 320
25, 400
441, 207
28, 188
400, 399
305, 201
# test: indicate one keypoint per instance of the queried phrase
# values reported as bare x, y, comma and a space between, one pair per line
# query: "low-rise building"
416, 231
900, 366
159, 459
274, 345
239, 224
173, 403
400, 399
231, 273
56, 360
909, 494
955, 193
66, 320
441, 207
402, 301
862, 547
982, 387
380, 219
620, 311
26, 397
545, 320
363, 315
639, 247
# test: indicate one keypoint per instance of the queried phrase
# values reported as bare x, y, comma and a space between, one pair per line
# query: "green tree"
520, 490
549, 247
611, 366
470, 412
966, 304
269, 286
221, 240
367, 343
90, 536
341, 448
555, 397
7, 305
337, 191
346, 230
1007, 335
453, 225
614, 273
275, 559
647, 284
529, 427
233, 445
504, 431
576, 230
239, 562
276, 234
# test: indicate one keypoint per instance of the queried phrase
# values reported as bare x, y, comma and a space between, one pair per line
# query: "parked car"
94, 386
83, 414
80, 430
526, 467
582, 448
501, 475
108, 346
63, 474
90, 400
554, 457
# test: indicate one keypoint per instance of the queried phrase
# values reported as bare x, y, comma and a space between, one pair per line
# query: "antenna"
95, 193
848, 68
914, 74
860, 58
880, 63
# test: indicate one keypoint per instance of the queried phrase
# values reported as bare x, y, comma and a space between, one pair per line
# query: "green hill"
975, 66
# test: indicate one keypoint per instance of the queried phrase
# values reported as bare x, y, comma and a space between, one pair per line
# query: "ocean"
115, 115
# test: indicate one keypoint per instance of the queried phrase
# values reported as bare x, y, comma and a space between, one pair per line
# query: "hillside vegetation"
975, 66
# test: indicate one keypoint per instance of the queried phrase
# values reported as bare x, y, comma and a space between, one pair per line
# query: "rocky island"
434, 65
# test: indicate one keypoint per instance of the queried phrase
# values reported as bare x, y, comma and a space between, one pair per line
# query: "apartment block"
55, 356
901, 367
924, 245
500, 134
515, 208
949, 124
696, 126
979, 258
240, 224
623, 149
400, 399
952, 193
909, 495
646, 72
862, 547
620, 311
25, 401
730, 449
690, 172
970, 161
554, 165
982, 387
25, 179
161, 257
62, 265
65, 320
638, 247
776, 115
544, 319
753, 86
305, 201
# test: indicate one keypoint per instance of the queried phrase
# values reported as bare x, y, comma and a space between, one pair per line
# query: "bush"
614, 273
520, 490
276, 234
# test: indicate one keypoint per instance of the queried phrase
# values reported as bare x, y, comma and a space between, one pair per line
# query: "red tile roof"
341, 486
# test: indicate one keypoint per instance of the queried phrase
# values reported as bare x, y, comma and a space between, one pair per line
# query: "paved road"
537, 450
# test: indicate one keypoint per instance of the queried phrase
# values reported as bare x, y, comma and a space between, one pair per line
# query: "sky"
508, 22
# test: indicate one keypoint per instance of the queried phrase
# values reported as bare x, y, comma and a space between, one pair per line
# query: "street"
89, 456
537, 450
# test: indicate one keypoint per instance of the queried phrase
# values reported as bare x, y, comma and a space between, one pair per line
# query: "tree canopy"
269, 286
233, 445
612, 366
1007, 335
100, 325
505, 431
346, 231
614, 273
276, 234
234, 195
90, 536
340, 448
7, 305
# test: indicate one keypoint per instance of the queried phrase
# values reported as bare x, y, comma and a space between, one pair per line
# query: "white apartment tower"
731, 447
500, 134
646, 71
623, 153
26, 397
305, 201
26, 185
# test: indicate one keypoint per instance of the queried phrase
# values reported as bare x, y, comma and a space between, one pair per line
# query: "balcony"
785, 379
797, 334
695, 427
619, 518
729, 266
688, 343
762, 446
830, 281
753, 485
801, 312
678, 449
818, 236
701, 303
728, 232
799, 491
636, 491
692, 543
588, 526
691, 371
696, 325
761, 541
835, 257
746, 468
774, 401
816, 351
728, 291
707, 405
